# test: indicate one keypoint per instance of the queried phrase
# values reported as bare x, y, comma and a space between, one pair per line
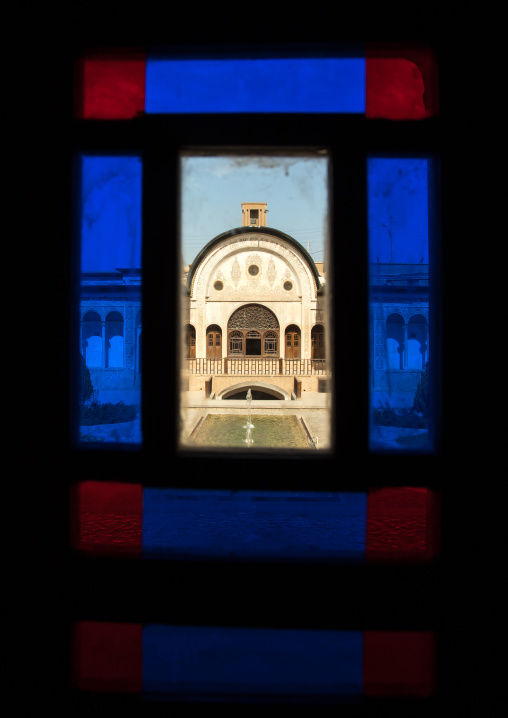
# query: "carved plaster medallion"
272, 272
236, 272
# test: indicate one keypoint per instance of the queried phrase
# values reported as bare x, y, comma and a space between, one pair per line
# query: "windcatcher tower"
254, 214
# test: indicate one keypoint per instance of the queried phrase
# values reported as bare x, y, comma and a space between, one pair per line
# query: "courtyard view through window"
255, 366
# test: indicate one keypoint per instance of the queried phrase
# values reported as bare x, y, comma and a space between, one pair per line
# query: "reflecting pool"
267, 431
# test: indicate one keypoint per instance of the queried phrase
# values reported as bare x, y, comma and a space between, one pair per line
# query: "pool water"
269, 431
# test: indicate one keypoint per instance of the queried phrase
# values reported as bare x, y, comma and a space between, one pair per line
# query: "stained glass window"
341, 515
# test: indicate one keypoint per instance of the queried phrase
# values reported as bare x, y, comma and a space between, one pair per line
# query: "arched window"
190, 342
114, 339
92, 339
236, 343
293, 342
395, 341
417, 341
214, 342
271, 339
317, 342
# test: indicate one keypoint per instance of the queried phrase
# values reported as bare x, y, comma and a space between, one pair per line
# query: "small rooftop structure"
254, 214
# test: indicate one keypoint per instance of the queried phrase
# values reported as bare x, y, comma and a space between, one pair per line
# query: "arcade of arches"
111, 333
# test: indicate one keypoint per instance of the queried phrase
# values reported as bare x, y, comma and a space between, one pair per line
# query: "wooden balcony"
257, 367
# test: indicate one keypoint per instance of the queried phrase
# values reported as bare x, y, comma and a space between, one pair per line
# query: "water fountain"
249, 425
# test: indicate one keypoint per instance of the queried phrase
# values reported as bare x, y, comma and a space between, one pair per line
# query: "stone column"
138, 332
424, 354
103, 334
406, 350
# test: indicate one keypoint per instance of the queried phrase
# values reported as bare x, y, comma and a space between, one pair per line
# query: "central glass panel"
252, 282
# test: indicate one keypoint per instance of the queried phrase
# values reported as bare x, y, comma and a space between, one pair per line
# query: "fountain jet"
249, 425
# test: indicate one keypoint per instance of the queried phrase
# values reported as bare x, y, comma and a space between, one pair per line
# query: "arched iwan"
276, 391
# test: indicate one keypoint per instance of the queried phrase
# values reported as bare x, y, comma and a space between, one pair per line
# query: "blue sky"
213, 189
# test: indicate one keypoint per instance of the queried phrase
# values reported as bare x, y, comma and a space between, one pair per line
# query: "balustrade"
257, 367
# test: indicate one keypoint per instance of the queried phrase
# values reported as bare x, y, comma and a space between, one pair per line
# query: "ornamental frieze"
260, 243
253, 293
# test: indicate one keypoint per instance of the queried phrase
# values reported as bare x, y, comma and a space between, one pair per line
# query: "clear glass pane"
254, 389
400, 311
110, 300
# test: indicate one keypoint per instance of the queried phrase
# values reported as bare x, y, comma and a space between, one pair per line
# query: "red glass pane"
107, 657
399, 663
107, 518
402, 524
401, 84
111, 88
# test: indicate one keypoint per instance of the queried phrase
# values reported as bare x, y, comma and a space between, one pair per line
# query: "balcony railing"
257, 367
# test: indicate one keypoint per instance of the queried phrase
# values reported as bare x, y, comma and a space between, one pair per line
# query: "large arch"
253, 265
253, 331
210, 248
268, 388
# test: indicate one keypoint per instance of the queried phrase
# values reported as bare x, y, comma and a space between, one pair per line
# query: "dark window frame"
116, 599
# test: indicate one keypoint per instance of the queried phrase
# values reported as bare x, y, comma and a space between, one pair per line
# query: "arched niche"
253, 331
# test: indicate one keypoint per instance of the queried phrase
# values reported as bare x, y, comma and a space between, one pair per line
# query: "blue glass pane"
221, 661
398, 234
256, 85
111, 213
242, 525
110, 301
